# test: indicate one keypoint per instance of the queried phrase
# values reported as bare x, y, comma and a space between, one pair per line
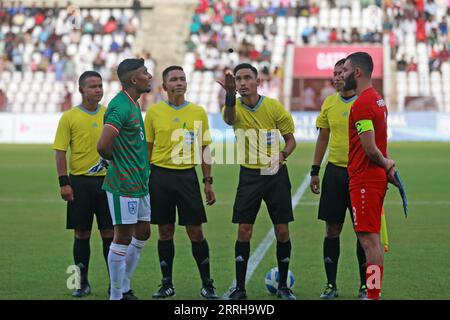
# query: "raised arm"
230, 99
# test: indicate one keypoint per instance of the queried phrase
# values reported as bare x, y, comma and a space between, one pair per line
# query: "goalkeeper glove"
102, 163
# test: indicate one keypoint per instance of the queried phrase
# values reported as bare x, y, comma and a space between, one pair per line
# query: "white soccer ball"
272, 278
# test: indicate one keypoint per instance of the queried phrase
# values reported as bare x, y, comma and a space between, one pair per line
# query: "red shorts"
367, 204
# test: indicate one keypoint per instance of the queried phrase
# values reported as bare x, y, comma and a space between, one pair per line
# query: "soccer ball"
272, 278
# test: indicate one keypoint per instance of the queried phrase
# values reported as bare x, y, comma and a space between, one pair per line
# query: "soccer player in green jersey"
126, 183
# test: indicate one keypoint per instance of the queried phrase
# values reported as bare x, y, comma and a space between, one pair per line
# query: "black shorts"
89, 199
335, 197
274, 190
172, 189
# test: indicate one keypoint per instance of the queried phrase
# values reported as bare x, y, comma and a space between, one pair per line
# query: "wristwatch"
208, 179
285, 154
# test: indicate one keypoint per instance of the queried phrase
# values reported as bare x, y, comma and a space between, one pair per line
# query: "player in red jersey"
369, 167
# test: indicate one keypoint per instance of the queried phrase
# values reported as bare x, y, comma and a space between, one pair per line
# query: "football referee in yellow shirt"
177, 132
79, 130
332, 123
260, 121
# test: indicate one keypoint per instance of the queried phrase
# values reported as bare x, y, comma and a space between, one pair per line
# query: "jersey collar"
82, 108
261, 98
347, 100
177, 107
135, 103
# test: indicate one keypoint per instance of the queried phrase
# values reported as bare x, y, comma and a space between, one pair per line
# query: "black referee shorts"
274, 190
335, 197
89, 199
172, 189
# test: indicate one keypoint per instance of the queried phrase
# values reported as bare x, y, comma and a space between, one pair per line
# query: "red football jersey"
368, 106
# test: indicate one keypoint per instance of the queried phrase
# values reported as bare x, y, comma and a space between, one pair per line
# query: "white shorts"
126, 210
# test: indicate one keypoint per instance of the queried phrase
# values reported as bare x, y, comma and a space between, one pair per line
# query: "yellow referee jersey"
80, 130
334, 115
175, 131
260, 127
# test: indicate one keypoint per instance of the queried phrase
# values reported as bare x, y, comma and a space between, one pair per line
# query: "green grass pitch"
36, 249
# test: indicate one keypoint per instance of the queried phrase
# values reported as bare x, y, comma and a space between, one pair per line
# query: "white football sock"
132, 260
117, 264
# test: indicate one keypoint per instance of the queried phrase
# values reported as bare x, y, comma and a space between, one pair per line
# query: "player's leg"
367, 205
163, 205
80, 217
141, 233
166, 254
283, 259
331, 253
279, 204
81, 256
246, 206
104, 222
374, 271
124, 215
334, 201
192, 215
200, 251
117, 259
242, 253
107, 236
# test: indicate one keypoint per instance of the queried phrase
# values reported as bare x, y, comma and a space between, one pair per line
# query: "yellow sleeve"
322, 118
284, 121
148, 126
206, 134
63, 135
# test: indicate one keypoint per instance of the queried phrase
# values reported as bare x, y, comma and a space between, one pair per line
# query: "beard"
350, 82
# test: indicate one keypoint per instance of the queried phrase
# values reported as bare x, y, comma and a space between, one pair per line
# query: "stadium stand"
419, 40
258, 31
44, 49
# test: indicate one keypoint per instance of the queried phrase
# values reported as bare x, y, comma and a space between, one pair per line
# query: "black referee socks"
283, 258
242, 252
106, 245
200, 251
81, 255
361, 262
166, 252
331, 251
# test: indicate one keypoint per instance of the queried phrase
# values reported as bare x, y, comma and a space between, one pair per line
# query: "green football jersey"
128, 171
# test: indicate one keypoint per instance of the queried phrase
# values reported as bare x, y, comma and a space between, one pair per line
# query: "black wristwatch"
208, 179
285, 154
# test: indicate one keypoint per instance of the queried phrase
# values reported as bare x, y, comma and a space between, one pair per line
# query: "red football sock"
374, 276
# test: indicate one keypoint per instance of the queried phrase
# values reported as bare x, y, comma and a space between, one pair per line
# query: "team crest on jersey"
132, 207
381, 103
176, 120
94, 125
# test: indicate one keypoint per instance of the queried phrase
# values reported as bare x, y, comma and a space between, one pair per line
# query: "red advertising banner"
318, 62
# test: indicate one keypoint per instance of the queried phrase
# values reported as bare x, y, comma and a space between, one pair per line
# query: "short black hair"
245, 66
87, 74
340, 62
362, 60
125, 67
166, 71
